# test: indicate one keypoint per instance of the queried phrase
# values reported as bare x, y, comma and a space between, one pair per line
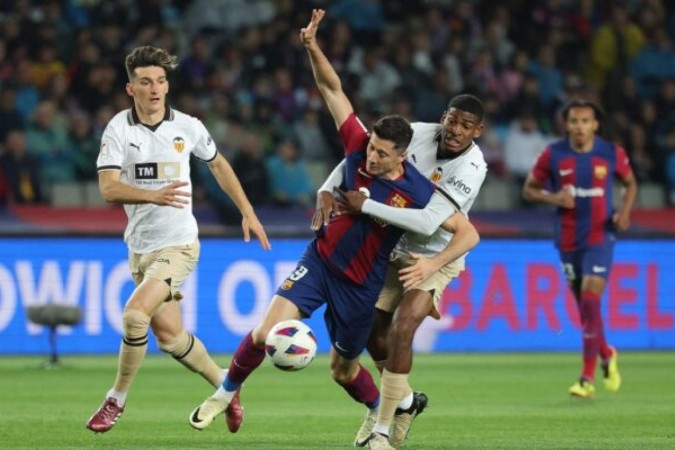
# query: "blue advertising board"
512, 297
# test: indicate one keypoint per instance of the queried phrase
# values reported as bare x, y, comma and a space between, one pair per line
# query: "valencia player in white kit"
144, 164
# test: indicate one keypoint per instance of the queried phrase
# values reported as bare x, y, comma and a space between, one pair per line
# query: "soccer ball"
291, 345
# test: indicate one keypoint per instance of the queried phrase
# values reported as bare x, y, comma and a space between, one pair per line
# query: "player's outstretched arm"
465, 238
325, 76
114, 191
229, 183
423, 221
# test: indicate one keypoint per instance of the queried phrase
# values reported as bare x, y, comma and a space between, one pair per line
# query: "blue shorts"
350, 308
591, 261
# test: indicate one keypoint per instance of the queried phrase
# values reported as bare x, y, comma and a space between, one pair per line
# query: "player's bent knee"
135, 323
179, 346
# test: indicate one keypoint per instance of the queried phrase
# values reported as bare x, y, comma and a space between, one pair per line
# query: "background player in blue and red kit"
345, 265
577, 175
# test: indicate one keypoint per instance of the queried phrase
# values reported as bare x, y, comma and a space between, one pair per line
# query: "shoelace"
110, 411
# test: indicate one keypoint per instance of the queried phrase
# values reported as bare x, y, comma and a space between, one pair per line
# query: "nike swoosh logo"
337, 345
599, 269
195, 416
565, 172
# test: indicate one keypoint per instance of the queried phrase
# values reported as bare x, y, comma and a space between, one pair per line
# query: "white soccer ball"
291, 345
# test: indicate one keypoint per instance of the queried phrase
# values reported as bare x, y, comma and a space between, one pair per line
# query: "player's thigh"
596, 266
279, 309
171, 265
392, 291
349, 316
436, 284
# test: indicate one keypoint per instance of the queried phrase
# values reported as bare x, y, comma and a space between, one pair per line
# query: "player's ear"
130, 89
478, 130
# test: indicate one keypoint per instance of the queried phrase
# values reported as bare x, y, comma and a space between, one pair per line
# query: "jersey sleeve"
335, 178
423, 221
354, 135
111, 153
623, 169
542, 168
205, 147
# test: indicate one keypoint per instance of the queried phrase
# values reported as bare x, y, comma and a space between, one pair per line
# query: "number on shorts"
568, 269
298, 273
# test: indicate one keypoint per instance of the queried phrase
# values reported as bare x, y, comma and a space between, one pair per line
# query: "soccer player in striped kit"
577, 175
345, 265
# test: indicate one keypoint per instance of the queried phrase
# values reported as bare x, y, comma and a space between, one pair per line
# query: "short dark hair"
147, 56
396, 129
469, 103
582, 103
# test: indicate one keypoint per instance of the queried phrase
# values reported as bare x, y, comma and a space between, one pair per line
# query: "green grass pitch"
477, 401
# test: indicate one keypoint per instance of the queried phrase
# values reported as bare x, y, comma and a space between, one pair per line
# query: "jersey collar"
132, 118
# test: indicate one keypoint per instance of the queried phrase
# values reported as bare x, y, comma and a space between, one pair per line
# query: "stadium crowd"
244, 73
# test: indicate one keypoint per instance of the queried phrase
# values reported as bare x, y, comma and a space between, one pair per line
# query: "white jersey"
458, 179
152, 158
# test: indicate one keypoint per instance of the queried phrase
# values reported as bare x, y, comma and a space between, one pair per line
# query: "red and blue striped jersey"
358, 246
590, 177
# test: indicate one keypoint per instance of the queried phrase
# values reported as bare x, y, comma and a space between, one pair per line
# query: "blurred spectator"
365, 17
4, 187
83, 145
452, 60
665, 141
27, 95
613, 46
523, 144
284, 97
312, 142
511, 78
249, 162
10, 119
99, 87
289, 178
21, 170
46, 66
377, 77
195, 67
47, 141
654, 63
548, 76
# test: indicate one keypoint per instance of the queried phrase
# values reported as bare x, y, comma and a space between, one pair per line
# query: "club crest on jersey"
179, 144
437, 175
600, 172
398, 201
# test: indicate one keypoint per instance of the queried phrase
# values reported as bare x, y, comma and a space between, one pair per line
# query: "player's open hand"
251, 224
325, 206
419, 271
350, 202
308, 34
172, 195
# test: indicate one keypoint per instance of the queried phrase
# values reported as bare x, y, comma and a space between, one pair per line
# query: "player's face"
460, 128
382, 158
581, 126
149, 88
